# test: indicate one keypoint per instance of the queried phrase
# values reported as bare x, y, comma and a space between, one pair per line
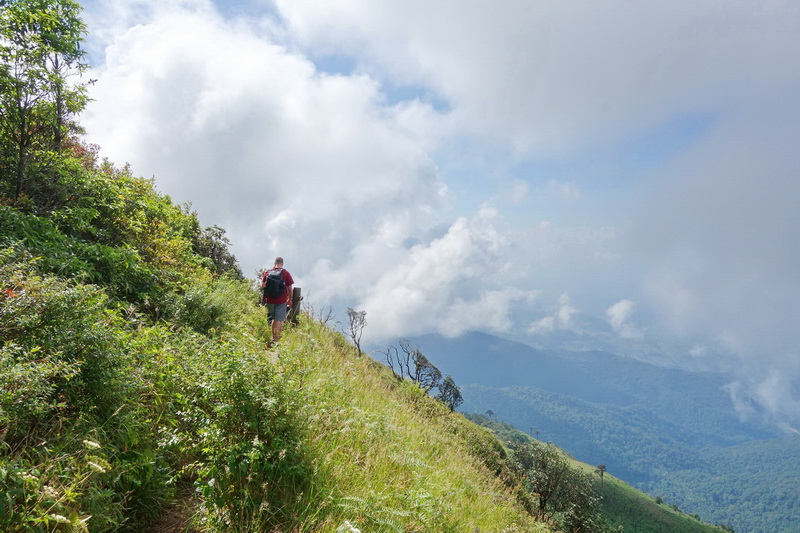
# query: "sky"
625, 171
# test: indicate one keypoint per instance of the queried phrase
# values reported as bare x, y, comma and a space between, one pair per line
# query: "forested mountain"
672, 433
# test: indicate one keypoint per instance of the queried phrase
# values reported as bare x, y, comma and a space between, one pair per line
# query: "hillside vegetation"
625, 508
136, 392
109, 418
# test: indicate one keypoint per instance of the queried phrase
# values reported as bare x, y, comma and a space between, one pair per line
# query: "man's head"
279, 261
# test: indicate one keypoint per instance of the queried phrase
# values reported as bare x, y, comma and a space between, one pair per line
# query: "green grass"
636, 511
386, 456
109, 420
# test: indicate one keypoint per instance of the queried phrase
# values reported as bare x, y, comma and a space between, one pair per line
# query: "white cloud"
548, 74
772, 391
619, 316
288, 160
451, 285
560, 319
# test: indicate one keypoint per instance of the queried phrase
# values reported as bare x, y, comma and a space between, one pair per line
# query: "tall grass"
387, 456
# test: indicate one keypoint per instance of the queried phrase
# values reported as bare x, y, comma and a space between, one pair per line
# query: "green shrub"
69, 378
232, 427
225, 305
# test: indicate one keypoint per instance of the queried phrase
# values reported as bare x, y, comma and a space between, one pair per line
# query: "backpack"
275, 287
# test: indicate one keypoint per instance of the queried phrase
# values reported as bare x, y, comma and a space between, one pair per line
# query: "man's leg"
277, 329
279, 317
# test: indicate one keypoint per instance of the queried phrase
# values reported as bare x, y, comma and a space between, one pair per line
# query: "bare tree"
324, 315
392, 356
425, 373
408, 362
358, 321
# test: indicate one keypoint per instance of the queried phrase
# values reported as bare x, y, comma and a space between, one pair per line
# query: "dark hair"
279, 260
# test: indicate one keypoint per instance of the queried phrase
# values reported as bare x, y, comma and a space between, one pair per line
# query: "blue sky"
620, 172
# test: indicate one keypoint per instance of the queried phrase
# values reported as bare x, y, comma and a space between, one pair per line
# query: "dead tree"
409, 362
358, 321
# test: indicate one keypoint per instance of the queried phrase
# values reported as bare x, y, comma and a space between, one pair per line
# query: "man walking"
277, 284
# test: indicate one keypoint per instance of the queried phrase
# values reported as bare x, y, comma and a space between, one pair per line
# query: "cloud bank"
455, 166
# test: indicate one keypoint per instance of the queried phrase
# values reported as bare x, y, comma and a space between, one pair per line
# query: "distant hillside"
671, 433
623, 505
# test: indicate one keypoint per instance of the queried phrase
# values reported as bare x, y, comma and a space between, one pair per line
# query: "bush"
225, 305
228, 424
565, 495
74, 433
59, 348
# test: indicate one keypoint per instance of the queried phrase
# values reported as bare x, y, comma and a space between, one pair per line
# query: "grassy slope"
388, 457
636, 511
622, 504
309, 437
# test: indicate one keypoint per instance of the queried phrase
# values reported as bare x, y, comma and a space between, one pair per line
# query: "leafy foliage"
449, 393
564, 495
214, 245
39, 51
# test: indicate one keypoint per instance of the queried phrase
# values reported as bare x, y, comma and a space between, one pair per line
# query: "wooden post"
294, 312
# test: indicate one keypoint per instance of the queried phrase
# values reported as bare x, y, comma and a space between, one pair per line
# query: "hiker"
277, 284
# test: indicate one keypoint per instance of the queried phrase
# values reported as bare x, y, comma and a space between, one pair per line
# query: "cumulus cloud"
452, 284
619, 318
560, 319
284, 157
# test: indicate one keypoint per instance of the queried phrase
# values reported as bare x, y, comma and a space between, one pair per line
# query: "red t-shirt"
287, 279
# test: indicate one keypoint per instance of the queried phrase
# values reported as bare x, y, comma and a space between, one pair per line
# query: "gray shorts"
276, 312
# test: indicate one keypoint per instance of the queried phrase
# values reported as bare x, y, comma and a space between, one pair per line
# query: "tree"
40, 49
450, 394
564, 495
424, 372
213, 244
408, 362
601, 470
412, 364
358, 321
